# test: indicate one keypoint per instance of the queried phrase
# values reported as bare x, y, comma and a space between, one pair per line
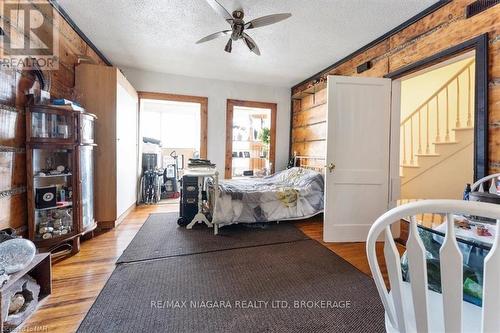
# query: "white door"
357, 179
126, 150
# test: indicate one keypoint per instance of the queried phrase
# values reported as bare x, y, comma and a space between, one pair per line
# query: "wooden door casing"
231, 103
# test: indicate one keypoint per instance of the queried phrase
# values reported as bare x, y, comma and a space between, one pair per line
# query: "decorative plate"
16, 254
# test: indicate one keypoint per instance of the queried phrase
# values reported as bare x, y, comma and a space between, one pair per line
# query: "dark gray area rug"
290, 287
161, 237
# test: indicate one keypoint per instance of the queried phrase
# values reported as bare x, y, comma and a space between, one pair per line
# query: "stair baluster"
419, 131
447, 136
457, 124
438, 137
427, 149
411, 142
404, 144
442, 93
469, 120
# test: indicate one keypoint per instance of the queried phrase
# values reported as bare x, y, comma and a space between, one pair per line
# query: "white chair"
478, 186
411, 306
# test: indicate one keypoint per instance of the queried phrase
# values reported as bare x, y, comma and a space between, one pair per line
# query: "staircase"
436, 139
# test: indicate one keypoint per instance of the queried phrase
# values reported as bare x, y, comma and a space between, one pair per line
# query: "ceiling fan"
238, 26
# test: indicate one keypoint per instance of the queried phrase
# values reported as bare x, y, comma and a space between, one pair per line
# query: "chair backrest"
479, 185
450, 265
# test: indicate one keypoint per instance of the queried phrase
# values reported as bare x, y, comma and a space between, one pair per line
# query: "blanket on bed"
289, 194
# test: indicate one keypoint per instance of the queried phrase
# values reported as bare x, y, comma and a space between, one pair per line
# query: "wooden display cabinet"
59, 147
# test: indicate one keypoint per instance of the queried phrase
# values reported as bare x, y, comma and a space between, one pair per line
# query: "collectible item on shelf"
16, 303
467, 191
462, 224
16, 254
482, 230
45, 197
54, 223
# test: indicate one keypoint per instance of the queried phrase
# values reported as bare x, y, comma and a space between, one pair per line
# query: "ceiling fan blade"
213, 36
266, 20
229, 46
251, 44
219, 9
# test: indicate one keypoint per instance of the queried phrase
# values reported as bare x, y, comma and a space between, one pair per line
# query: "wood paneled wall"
436, 32
13, 84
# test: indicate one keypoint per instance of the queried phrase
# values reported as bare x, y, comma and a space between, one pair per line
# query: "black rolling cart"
194, 195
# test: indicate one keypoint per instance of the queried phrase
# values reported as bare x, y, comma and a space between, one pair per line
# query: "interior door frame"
231, 103
479, 45
203, 101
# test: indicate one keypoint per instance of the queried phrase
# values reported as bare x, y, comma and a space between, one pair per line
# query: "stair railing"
435, 103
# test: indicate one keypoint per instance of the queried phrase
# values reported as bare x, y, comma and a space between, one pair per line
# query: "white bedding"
290, 194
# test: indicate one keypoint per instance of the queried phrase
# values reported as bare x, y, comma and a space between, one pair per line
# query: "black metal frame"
478, 44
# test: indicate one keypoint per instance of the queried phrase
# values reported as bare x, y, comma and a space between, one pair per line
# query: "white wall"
418, 88
218, 92
445, 180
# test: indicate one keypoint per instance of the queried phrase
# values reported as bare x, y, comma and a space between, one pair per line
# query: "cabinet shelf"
54, 176
65, 204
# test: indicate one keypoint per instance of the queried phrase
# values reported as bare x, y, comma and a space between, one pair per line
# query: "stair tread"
410, 166
446, 142
427, 155
462, 128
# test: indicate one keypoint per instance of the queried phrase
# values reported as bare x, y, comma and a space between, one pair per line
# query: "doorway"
173, 129
250, 139
360, 186
437, 130
475, 52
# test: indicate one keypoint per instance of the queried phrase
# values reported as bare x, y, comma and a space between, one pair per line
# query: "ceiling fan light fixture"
229, 46
238, 26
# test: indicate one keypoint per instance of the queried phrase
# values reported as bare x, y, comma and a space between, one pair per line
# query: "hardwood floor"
78, 280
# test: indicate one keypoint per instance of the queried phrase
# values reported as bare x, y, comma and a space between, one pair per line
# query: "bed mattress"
290, 194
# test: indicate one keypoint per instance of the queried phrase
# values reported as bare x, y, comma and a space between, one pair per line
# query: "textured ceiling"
160, 35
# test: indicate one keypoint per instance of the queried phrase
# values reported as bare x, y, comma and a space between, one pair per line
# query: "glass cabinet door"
49, 125
52, 126
87, 184
52, 192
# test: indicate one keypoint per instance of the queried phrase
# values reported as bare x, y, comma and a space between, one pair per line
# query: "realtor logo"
29, 35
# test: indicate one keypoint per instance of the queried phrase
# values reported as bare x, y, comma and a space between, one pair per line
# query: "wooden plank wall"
436, 32
13, 84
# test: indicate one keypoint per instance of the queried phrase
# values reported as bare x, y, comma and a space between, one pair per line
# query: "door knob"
330, 167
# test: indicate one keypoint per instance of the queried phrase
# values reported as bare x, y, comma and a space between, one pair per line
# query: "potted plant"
265, 138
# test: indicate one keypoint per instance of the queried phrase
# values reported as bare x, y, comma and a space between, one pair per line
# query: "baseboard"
125, 213
103, 225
